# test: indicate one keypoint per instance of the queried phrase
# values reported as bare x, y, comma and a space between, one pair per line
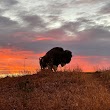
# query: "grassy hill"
56, 91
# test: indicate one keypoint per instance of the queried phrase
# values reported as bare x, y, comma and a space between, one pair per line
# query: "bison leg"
63, 64
54, 68
49, 67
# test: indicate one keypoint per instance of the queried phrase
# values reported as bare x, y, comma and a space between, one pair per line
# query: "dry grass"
54, 91
104, 76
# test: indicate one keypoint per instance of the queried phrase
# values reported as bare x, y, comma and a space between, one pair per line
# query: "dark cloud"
4, 21
71, 26
84, 20
54, 33
91, 42
7, 25
53, 18
8, 2
94, 33
56, 7
105, 9
88, 1
21, 44
1, 10
61, 32
34, 21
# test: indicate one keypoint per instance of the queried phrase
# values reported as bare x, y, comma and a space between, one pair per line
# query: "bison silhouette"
54, 57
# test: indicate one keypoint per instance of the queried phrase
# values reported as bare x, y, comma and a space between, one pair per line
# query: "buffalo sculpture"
54, 57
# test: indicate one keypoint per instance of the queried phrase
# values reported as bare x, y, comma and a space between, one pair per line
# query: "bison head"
66, 57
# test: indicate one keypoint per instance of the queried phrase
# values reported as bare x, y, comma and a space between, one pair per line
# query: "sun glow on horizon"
16, 64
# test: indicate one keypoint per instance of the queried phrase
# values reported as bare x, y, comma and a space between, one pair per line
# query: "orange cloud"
9, 53
43, 38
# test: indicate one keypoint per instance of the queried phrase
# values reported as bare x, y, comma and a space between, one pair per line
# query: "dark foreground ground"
56, 91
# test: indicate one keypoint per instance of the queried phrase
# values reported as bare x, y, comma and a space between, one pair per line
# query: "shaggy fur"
54, 57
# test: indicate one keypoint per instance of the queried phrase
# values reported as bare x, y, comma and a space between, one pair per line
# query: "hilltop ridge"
55, 91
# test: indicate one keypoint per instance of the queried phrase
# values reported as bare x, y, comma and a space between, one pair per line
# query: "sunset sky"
29, 28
